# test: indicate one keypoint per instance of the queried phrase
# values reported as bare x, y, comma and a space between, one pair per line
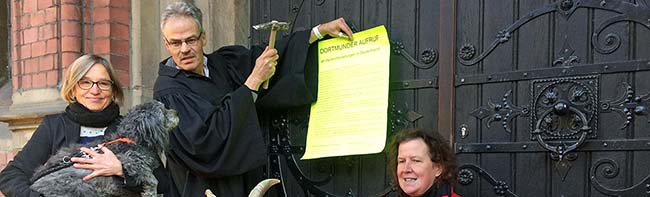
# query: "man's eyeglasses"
191, 41
102, 84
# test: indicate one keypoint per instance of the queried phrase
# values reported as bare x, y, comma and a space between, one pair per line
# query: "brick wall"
47, 35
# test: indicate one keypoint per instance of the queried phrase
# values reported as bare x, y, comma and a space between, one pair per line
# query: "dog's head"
149, 125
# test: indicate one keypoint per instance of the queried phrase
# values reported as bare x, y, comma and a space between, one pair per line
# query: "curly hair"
439, 151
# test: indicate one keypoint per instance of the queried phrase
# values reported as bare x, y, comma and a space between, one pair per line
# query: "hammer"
274, 26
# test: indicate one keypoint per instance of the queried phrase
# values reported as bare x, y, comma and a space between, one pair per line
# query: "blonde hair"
78, 69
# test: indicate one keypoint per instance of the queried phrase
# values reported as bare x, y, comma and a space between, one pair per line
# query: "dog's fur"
148, 124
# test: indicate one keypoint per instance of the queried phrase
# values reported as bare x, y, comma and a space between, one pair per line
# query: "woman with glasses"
93, 94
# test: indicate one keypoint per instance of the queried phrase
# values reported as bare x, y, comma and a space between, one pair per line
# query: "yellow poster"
350, 114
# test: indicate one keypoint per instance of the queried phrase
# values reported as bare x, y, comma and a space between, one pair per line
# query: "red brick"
102, 46
124, 78
25, 51
102, 30
26, 81
120, 31
70, 28
120, 62
120, 4
30, 35
70, 12
16, 7
71, 44
67, 58
38, 18
39, 80
12, 153
25, 21
50, 14
29, 6
46, 63
88, 45
14, 83
101, 14
42, 4
101, 3
31, 66
120, 47
51, 46
14, 52
3, 159
120, 15
38, 48
52, 78
16, 38
46, 31
88, 13
14, 66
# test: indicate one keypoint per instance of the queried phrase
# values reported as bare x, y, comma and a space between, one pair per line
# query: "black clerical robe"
219, 140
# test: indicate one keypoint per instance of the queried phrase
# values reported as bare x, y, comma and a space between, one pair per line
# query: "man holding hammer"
219, 144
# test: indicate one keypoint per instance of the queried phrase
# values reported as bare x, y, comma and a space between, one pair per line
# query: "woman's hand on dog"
105, 164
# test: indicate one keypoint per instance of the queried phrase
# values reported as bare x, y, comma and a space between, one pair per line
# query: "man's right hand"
264, 68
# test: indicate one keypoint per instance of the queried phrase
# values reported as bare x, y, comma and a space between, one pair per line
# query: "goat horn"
209, 193
262, 187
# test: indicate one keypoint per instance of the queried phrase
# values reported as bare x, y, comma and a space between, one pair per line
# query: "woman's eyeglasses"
102, 84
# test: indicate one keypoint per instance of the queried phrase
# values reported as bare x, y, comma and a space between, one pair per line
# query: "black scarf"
82, 115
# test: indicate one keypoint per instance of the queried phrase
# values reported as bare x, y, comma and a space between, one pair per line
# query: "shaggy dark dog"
147, 124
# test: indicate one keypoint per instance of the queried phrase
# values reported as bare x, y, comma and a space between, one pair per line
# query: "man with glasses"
219, 144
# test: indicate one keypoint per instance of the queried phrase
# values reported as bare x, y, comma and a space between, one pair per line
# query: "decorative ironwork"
567, 7
543, 73
429, 56
280, 146
503, 36
566, 55
563, 163
628, 105
400, 118
610, 170
466, 177
505, 112
467, 51
564, 109
533, 147
414, 84
635, 12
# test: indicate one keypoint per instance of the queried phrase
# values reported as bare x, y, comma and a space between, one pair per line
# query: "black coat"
219, 143
56, 131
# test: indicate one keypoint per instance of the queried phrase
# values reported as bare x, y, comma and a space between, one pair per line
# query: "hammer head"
273, 25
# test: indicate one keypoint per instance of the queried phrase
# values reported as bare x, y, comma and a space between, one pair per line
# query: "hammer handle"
271, 46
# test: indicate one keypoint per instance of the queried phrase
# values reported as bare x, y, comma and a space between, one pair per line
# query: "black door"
541, 98
552, 97
413, 28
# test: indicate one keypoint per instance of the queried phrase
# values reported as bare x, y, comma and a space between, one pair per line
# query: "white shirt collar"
206, 72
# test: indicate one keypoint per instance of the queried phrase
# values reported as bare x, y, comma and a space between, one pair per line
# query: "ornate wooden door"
413, 30
552, 97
